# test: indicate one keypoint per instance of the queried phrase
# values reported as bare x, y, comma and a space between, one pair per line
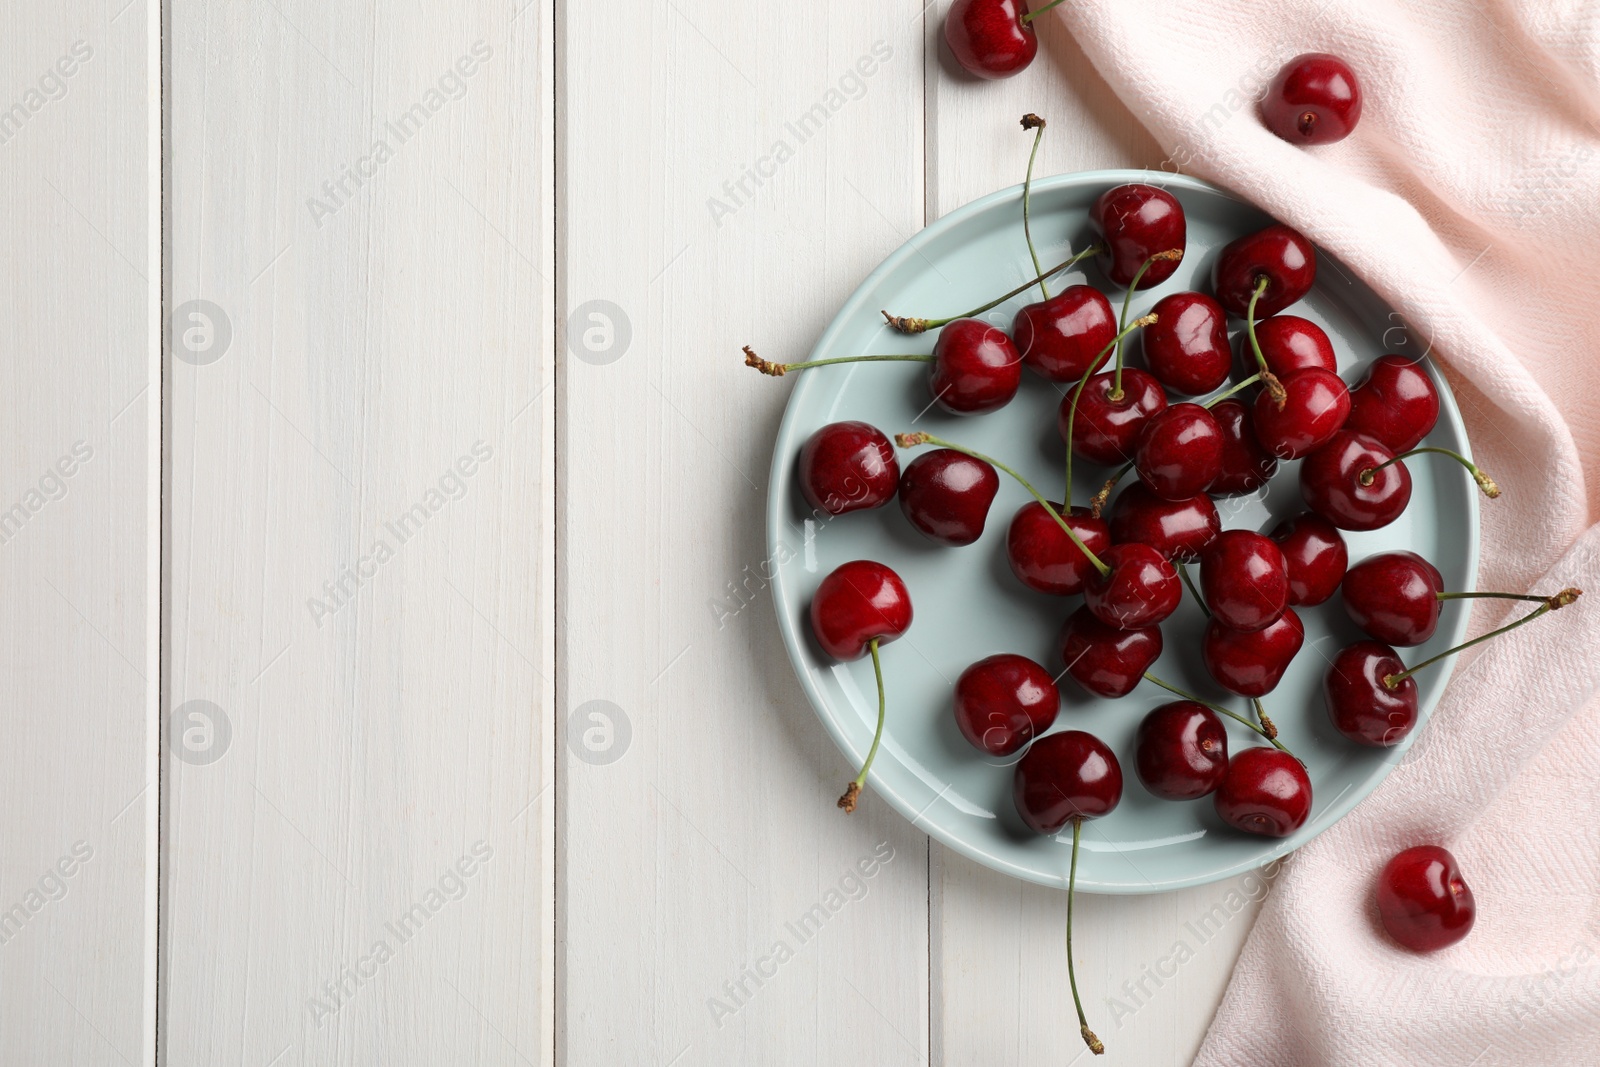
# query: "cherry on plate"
848, 466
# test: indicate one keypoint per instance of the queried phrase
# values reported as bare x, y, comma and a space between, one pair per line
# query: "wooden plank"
700, 212
359, 855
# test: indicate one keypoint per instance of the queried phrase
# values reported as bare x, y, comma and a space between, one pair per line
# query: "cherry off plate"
968, 605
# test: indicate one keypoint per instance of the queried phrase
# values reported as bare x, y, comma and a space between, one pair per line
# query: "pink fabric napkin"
1469, 198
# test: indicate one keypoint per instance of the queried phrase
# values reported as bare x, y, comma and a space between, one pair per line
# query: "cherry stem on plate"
1225, 394
1072, 979
1220, 710
1267, 725
1097, 503
853, 791
912, 440
1270, 380
1171, 255
1031, 121
1183, 572
1094, 364
1030, 16
1486, 483
1560, 600
907, 324
778, 370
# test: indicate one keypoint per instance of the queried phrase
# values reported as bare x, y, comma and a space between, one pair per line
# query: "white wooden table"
393, 678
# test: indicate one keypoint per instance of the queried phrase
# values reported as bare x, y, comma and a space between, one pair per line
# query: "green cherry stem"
1171, 255
1267, 378
1072, 978
1031, 121
1529, 597
1486, 483
1220, 397
912, 440
906, 324
853, 791
778, 370
1220, 710
1183, 572
1560, 600
1030, 16
1094, 364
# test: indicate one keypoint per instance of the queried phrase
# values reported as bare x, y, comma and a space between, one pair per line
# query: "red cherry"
860, 602
989, 38
1246, 466
1264, 792
946, 494
1178, 529
1004, 702
1133, 222
1394, 597
848, 466
1331, 481
1244, 580
1281, 255
1179, 453
1140, 589
1314, 409
976, 368
1290, 343
1061, 336
1396, 403
1315, 99
1360, 704
1181, 751
1106, 431
1316, 557
1423, 901
1252, 664
1044, 558
1186, 348
1067, 775
1106, 661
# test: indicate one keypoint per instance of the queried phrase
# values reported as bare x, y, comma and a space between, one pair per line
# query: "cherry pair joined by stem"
1003, 702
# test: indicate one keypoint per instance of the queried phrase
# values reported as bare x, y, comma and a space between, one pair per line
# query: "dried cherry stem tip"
905, 324
848, 801
765, 366
1486, 483
1030, 121
1548, 604
1093, 1042
1268, 727
1097, 503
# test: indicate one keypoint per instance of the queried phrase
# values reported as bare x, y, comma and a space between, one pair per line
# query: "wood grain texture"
361, 499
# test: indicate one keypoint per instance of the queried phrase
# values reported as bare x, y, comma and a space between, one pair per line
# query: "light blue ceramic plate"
968, 605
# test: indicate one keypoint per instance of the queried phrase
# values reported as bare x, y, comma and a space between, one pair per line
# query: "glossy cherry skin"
1181, 751
1290, 343
1360, 705
1187, 347
1141, 588
1244, 580
1265, 792
989, 38
1423, 901
946, 494
848, 466
1133, 222
1106, 661
1044, 558
1178, 529
857, 603
1005, 701
1246, 466
1396, 403
1315, 554
1281, 255
1106, 431
1252, 664
1394, 597
1314, 409
976, 368
1060, 337
1315, 99
1330, 482
1179, 453
1065, 776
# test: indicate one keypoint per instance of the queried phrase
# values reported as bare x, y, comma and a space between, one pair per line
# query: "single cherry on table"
1315, 99
1004, 701
1424, 901
1394, 597
991, 38
946, 495
1312, 408
1279, 256
976, 368
1291, 343
1107, 427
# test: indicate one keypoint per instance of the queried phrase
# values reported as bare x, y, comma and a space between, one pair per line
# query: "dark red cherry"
1178, 529
1179, 453
1244, 580
1187, 348
1265, 792
1140, 589
1315, 99
946, 494
1106, 661
1281, 255
1360, 704
1316, 405
1246, 466
976, 368
848, 466
1423, 901
1396, 403
1394, 597
1315, 554
1106, 430
1044, 558
1290, 343
1252, 664
1181, 751
989, 38
859, 602
1061, 336
1331, 481
1133, 222
1004, 702
1065, 776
